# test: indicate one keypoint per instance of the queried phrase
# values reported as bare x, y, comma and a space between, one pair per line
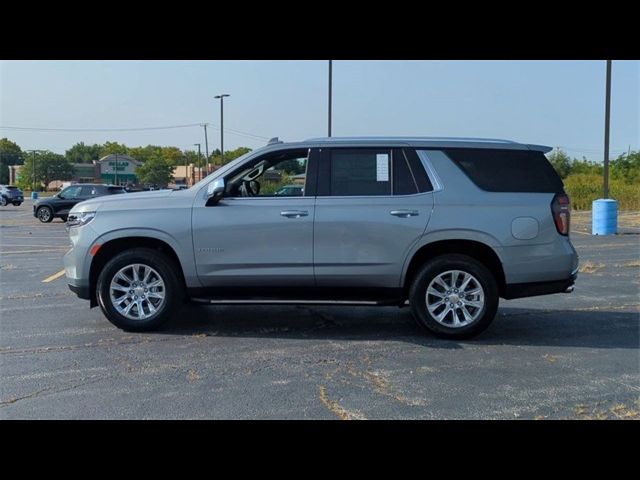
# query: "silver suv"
445, 225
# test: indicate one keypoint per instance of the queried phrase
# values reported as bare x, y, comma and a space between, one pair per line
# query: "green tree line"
42, 167
583, 179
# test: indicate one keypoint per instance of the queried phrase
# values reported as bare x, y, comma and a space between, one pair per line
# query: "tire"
64, 218
473, 313
17, 204
164, 269
45, 214
3, 201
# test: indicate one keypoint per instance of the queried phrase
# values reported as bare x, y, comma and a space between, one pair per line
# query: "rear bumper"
521, 290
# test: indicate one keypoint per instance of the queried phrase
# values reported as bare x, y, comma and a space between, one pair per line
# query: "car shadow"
512, 326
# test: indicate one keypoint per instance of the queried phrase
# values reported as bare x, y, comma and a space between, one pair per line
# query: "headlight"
80, 219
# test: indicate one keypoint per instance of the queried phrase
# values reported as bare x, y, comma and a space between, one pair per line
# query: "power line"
43, 129
133, 129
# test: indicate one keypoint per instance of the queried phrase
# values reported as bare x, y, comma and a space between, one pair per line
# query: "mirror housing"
215, 191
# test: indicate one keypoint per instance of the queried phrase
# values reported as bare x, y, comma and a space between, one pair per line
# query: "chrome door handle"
404, 213
294, 213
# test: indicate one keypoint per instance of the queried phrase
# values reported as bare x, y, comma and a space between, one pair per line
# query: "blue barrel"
605, 217
34, 195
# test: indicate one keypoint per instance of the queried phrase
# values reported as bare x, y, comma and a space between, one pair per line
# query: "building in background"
118, 170
190, 174
100, 171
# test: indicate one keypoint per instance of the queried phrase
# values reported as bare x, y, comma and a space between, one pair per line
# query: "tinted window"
89, 191
403, 181
70, 192
360, 172
419, 173
114, 190
507, 170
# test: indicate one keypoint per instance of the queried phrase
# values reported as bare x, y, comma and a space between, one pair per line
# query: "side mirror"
215, 191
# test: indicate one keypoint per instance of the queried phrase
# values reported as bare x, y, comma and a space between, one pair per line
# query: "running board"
209, 301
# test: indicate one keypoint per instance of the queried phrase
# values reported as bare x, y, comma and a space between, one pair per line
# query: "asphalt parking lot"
559, 356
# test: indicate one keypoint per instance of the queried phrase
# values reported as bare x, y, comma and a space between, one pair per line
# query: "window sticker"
382, 167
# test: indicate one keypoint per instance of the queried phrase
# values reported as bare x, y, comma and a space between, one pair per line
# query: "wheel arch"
479, 249
111, 247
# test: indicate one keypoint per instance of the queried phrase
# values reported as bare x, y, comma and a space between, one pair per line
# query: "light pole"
221, 97
330, 91
199, 162
33, 167
607, 118
206, 147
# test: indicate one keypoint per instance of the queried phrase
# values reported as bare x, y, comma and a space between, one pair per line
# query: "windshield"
228, 166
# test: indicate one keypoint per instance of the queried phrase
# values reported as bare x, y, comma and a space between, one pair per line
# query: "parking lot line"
53, 277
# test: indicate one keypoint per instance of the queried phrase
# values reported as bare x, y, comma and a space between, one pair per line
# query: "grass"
584, 188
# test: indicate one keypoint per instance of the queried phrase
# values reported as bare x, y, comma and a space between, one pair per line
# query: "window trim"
310, 180
436, 182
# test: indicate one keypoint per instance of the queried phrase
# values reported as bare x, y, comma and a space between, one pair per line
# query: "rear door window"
360, 172
507, 170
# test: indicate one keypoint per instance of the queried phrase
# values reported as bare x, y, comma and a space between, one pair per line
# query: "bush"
584, 188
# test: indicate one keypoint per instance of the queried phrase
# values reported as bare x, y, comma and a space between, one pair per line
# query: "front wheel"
138, 289
454, 296
45, 214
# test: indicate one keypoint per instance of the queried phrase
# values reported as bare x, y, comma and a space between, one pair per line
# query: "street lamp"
199, 162
330, 91
221, 97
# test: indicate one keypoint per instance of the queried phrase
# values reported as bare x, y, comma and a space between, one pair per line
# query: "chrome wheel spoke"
435, 293
473, 304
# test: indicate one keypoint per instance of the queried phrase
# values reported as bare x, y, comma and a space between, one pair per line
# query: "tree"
81, 153
49, 166
10, 154
113, 147
155, 171
561, 162
229, 155
627, 167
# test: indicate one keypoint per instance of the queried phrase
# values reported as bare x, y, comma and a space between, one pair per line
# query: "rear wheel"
17, 204
63, 217
138, 289
45, 214
454, 296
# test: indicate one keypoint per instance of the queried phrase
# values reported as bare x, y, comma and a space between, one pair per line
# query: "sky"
555, 103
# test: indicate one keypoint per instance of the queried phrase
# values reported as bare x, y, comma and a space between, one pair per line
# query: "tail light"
561, 211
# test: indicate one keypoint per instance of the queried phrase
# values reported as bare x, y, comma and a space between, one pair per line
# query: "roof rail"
391, 138
273, 141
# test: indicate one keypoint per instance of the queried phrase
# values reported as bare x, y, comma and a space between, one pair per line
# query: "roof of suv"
439, 142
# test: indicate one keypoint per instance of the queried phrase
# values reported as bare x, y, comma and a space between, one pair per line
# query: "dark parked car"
46, 209
10, 194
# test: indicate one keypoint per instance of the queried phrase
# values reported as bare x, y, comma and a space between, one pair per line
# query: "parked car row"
10, 194
59, 205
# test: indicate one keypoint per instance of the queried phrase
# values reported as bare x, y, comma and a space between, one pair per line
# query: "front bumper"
82, 292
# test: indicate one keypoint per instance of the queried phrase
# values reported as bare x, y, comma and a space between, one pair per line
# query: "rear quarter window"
507, 170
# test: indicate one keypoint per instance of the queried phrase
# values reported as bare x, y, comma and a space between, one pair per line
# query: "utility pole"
206, 147
221, 97
607, 118
33, 167
330, 92
199, 162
